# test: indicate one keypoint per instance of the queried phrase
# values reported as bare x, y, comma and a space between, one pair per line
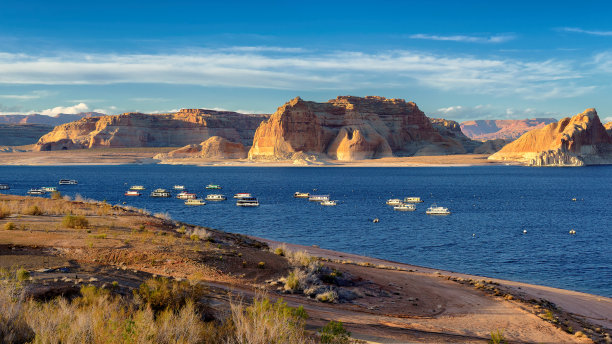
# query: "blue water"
491, 206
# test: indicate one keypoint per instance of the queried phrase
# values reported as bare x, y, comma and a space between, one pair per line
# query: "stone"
576, 141
348, 128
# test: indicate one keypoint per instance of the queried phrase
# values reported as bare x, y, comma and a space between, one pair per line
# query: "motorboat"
318, 198
213, 187
435, 210
68, 182
49, 188
137, 187
132, 193
394, 201
248, 202
328, 203
413, 200
301, 195
179, 187
160, 193
185, 195
195, 201
4, 187
243, 195
405, 207
36, 192
215, 197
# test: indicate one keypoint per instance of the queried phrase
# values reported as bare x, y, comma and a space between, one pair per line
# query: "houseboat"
36, 192
243, 195
413, 200
215, 197
68, 182
49, 188
131, 193
4, 187
318, 198
248, 202
185, 195
137, 187
435, 210
179, 187
301, 195
328, 203
160, 193
195, 201
213, 187
405, 207
394, 201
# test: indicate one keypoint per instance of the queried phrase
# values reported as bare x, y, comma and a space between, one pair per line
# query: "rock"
219, 147
348, 128
46, 120
577, 141
22, 134
507, 129
452, 130
608, 127
490, 146
188, 126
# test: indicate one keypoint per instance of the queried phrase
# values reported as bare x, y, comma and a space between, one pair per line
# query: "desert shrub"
22, 275
56, 195
194, 237
295, 281
328, 296
182, 230
33, 210
280, 251
497, 337
9, 226
300, 258
161, 293
261, 265
334, 333
75, 221
4, 212
266, 322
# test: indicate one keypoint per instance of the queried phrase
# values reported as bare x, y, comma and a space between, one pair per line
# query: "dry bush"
9, 226
33, 210
56, 195
4, 211
296, 281
300, 258
75, 221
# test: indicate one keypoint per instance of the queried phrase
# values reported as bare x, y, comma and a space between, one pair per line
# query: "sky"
460, 60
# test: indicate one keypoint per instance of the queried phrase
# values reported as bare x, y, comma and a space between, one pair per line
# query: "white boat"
213, 187
413, 200
137, 187
328, 203
394, 201
49, 188
4, 187
318, 198
435, 210
132, 193
185, 195
36, 192
405, 207
301, 195
160, 193
243, 195
215, 197
195, 201
68, 182
248, 202
179, 187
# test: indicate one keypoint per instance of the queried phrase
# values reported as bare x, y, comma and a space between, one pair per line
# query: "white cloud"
588, 32
81, 107
337, 70
28, 96
464, 113
464, 38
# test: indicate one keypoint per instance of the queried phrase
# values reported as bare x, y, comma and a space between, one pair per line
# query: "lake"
491, 207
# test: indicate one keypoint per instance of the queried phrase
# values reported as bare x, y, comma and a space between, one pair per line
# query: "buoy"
574, 199
524, 231
375, 220
572, 231
473, 235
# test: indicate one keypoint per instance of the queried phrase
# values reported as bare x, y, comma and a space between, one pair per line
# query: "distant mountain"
22, 134
507, 129
46, 120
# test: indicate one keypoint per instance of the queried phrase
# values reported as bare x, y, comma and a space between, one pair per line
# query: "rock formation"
46, 120
580, 140
490, 146
349, 128
507, 129
22, 134
188, 126
608, 127
452, 130
214, 148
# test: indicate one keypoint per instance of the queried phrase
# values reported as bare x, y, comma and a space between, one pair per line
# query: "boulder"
576, 141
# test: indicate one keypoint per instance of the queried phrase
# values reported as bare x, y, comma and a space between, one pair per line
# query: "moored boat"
243, 195
248, 202
185, 195
195, 201
160, 193
132, 193
68, 182
137, 187
301, 195
328, 203
215, 197
413, 200
4, 187
49, 188
435, 210
405, 207
394, 201
36, 192
213, 187
179, 187
318, 198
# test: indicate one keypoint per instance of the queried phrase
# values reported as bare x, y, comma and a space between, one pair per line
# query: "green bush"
261, 265
279, 251
194, 237
334, 333
497, 337
75, 221
9, 226
22, 274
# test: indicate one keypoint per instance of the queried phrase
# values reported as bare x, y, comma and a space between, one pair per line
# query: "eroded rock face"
452, 130
349, 128
490, 146
214, 148
188, 126
580, 140
507, 129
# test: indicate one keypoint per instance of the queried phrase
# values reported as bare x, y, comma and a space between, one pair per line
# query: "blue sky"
458, 60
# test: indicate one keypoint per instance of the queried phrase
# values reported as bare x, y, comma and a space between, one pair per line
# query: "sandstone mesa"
576, 141
506, 129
